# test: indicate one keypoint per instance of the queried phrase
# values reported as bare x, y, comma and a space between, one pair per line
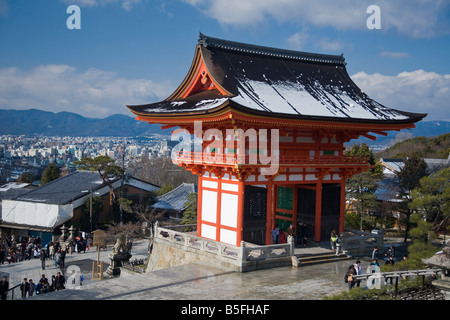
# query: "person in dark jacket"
351, 272
24, 286
4, 287
42, 257
59, 281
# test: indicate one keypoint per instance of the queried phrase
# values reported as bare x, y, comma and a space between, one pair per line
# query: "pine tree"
50, 173
409, 176
190, 214
362, 186
432, 198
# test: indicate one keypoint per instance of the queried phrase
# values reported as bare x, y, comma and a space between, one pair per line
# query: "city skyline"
138, 51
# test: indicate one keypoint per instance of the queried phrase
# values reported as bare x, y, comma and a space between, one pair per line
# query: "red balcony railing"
233, 159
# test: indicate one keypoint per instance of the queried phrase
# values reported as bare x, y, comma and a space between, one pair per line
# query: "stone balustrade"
241, 258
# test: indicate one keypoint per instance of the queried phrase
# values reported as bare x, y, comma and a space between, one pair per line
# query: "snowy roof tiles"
279, 83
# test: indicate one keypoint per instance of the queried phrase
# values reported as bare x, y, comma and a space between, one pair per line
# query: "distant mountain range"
422, 129
38, 122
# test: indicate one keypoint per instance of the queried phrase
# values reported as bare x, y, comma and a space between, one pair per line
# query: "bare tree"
143, 228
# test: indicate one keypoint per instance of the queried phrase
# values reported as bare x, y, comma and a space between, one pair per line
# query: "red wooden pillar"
342, 208
318, 217
240, 213
269, 213
199, 206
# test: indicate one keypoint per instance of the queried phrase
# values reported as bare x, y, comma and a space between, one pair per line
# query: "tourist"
51, 251
299, 233
374, 262
4, 287
358, 272
391, 262
37, 252
282, 237
349, 276
129, 245
59, 281
52, 286
291, 231
333, 240
390, 253
43, 259
42, 286
62, 258
29, 249
338, 244
275, 234
2, 255
375, 253
304, 234
57, 259
24, 287
31, 287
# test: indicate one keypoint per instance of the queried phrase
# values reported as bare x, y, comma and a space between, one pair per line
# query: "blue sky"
138, 51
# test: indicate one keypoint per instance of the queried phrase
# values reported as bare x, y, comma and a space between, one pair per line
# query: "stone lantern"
442, 259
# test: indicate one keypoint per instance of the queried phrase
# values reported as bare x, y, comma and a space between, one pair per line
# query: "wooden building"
272, 125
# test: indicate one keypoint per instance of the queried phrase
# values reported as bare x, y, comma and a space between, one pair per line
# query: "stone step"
320, 258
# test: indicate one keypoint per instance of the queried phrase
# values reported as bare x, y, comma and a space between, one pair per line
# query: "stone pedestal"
116, 260
444, 286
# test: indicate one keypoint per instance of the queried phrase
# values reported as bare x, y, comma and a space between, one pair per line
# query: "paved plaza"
188, 282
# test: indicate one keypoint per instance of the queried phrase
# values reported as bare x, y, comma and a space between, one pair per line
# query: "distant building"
42, 210
174, 201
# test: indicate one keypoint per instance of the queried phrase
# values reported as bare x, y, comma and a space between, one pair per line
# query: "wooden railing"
233, 159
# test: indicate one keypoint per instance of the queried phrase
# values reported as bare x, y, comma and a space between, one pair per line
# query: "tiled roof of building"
64, 190
175, 199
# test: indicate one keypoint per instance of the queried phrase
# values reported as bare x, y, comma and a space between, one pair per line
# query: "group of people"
28, 248
300, 234
335, 242
14, 251
28, 288
355, 269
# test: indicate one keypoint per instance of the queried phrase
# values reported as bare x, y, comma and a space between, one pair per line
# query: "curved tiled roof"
275, 82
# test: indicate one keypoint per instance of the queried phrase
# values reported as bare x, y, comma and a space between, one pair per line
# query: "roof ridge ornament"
270, 51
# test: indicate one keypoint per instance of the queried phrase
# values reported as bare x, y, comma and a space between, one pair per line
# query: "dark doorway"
306, 208
255, 212
331, 199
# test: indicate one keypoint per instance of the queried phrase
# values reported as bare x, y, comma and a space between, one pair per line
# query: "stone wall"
168, 254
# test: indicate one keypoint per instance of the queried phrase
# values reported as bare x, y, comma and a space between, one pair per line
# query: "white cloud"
414, 18
300, 40
297, 41
92, 93
126, 4
417, 91
330, 45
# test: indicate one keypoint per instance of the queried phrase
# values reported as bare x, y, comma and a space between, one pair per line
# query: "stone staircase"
317, 258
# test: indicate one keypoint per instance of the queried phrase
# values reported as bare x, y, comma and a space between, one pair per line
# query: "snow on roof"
295, 98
